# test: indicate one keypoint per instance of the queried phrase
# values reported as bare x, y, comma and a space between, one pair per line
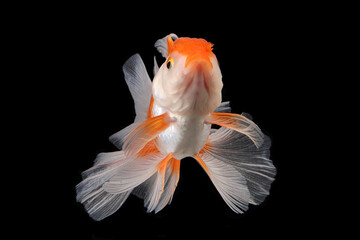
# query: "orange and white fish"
174, 115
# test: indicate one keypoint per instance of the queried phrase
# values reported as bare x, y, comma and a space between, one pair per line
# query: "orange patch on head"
193, 48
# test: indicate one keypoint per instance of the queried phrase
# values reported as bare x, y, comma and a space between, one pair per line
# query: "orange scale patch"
191, 47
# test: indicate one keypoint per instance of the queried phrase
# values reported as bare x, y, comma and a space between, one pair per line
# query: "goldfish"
175, 115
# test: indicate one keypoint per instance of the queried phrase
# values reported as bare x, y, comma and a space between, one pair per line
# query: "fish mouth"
196, 91
198, 73
198, 81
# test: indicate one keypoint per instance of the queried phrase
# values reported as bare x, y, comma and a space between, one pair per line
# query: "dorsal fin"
156, 66
162, 44
139, 84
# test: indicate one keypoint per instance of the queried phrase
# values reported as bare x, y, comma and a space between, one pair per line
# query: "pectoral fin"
238, 123
143, 133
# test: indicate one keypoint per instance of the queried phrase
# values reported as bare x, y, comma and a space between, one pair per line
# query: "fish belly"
185, 137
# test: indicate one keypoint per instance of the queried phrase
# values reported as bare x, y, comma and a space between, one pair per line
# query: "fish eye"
169, 63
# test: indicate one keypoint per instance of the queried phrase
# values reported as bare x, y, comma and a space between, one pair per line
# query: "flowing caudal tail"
140, 165
237, 161
106, 186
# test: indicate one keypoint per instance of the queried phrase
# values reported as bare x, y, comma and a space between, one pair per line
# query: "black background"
271, 62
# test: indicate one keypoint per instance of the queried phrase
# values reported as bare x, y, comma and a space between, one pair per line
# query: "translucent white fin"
155, 186
161, 44
228, 181
156, 66
133, 174
139, 85
238, 151
224, 107
247, 115
238, 123
97, 202
158, 190
107, 185
118, 138
144, 132
149, 191
106, 166
102, 204
171, 180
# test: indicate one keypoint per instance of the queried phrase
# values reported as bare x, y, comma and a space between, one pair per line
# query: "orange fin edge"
238, 123
201, 162
143, 133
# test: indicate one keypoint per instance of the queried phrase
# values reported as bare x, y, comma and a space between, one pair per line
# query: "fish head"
190, 80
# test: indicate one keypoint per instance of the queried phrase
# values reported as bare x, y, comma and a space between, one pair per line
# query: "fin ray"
144, 132
156, 66
133, 174
230, 183
162, 45
224, 107
237, 150
158, 190
139, 84
90, 192
171, 180
118, 138
238, 123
